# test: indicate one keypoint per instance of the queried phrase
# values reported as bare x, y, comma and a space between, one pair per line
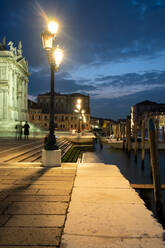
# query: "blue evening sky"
114, 50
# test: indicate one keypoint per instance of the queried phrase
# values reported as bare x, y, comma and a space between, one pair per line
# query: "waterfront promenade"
86, 204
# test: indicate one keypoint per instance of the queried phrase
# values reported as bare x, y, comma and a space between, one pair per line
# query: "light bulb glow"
78, 106
58, 56
53, 27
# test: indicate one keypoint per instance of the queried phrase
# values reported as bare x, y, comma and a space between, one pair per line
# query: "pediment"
22, 62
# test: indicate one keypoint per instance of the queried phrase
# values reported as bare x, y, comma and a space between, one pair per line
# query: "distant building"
64, 105
106, 125
13, 83
146, 109
97, 122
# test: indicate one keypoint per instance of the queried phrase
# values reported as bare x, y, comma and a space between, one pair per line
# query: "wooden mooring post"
163, 134
124, 136
157, 130
155, 167
142, 142
135, 141
128, 135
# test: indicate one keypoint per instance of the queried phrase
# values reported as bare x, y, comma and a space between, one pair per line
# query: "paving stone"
111, 220
57, 175
3, 173
76, 241
45, 198
55, 178
4, 219
58, 185
45, 180
22, 246
30, 236
101, 182
3, 195
36, 221
109, 195
10, 177
54, 183
98, 170
24, 192
54, 192
37, 208
55, 171
8, 181
6, 187
4, 206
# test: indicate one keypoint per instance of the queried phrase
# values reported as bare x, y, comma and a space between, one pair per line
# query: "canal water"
133, 171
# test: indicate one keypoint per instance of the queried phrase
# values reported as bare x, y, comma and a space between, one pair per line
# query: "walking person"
26, 130
19, 127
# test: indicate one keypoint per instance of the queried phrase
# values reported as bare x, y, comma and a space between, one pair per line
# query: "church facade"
13, 83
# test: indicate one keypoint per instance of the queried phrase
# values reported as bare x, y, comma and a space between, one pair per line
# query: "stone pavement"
33, 204
86, 206
105, 212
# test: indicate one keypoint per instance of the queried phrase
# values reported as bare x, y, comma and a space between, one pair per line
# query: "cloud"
111, 87
32, 98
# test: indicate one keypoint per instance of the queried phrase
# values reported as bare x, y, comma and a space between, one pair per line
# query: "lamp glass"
78, 101
47, 40
78, 106
58, 56
53, 27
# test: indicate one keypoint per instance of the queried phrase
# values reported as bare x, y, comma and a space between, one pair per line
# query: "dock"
105, 211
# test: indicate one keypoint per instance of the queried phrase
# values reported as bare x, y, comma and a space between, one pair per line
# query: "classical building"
13, 84
64, 105
146, 109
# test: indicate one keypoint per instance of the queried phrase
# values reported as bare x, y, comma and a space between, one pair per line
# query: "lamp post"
78, 108
83, 118
80, 113
55, 55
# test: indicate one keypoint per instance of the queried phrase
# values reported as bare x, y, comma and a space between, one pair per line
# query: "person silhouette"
19, 127
26, 130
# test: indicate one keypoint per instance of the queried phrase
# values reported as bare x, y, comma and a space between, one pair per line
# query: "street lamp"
55, 55
80, 113
83, 118
78, 106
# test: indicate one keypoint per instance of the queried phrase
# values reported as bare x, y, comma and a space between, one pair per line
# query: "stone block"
108, 195
29, 236
4, 219
102, 182
111, 220
76, 241
51, 158
31, 198
36, 221
37, 208
54, 192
